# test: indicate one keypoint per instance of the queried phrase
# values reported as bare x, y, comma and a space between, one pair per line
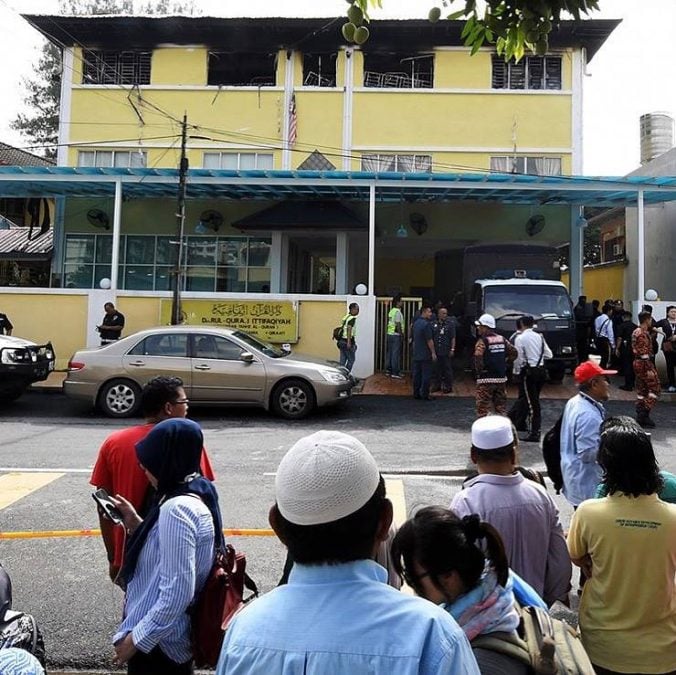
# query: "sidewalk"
53, 383
464, 387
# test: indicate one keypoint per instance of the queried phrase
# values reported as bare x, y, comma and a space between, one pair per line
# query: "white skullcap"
325, 477
491, 432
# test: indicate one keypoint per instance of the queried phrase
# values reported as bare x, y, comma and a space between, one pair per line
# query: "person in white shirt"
529, 367
605, 335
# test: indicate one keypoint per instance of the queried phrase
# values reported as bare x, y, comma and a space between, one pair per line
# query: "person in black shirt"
444, 346
5, 325
623, 350
112, 324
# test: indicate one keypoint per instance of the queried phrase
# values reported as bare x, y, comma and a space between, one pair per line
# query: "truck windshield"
538, 301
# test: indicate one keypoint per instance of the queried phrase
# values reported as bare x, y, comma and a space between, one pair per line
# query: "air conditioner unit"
617, 250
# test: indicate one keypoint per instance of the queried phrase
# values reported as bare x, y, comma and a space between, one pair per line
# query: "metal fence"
383, 306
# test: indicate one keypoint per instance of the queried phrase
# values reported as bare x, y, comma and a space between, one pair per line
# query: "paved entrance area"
463, 386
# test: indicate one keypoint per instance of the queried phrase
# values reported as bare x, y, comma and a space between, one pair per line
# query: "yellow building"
277, 94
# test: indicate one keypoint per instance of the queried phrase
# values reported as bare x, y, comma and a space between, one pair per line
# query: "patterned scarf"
487, 608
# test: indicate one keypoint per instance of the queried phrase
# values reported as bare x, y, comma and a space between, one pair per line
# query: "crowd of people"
496, 547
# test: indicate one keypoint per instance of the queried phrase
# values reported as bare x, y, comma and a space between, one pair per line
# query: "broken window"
107, 67
531, 72
319, 70
399, 71
242, 69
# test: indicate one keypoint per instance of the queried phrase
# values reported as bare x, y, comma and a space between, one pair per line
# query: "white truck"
22, 362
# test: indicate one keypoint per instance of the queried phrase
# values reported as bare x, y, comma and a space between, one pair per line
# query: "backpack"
20, 630
338, 332
551, 453
217, 603
549, 646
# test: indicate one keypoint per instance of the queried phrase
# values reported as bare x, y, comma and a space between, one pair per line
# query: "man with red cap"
581, 432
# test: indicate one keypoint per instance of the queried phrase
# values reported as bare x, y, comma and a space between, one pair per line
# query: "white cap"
325, 477
487, 320
492, 432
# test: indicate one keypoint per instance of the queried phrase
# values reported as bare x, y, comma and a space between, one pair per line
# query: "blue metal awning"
332, 185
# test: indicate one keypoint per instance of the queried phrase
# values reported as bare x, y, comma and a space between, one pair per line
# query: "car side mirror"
247, 357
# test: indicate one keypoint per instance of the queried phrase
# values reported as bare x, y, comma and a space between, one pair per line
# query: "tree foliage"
514, 26
39, 124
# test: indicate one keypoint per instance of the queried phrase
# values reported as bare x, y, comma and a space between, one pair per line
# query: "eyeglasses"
413, 580
181, 401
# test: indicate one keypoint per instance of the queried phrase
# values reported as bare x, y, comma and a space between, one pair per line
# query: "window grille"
126, 68
531, 72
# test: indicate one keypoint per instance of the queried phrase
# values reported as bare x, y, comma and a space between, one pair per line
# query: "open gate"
408, 309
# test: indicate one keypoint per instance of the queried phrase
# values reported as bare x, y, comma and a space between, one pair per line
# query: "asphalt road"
63, 582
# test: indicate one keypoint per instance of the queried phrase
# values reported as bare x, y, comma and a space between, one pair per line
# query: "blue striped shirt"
173, 565
344, 620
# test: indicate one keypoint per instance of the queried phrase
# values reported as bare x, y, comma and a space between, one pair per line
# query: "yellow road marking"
395, 493
15, 486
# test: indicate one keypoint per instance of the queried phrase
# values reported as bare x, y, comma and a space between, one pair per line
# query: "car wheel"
293, 399
120, 398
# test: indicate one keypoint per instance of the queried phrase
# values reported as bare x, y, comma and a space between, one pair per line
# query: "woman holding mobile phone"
169, 553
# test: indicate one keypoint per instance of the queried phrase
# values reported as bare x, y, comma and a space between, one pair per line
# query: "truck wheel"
293, 399
556, 375
120, 398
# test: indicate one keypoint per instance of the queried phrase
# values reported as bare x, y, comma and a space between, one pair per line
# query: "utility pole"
180, 227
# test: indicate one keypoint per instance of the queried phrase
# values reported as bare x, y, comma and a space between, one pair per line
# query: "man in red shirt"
117, 470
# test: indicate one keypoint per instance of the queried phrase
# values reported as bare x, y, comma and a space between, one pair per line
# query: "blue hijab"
171, 452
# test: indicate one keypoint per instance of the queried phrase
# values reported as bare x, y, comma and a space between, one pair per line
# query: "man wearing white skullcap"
337, 615
521, 510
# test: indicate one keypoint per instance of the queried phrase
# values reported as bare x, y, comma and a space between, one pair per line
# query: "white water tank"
657, 135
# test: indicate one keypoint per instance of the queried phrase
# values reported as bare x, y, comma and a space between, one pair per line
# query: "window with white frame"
401, 163
238, 160
531, 72
223, 264
126, 159
539, 166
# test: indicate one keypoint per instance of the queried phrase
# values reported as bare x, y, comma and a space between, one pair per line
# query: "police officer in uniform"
347, 341
491, 355
444, 346
111, 327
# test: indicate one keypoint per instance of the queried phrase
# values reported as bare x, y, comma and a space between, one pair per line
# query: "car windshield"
265, 347
538, 301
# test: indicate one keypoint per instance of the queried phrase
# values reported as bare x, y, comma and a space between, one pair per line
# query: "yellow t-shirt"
628, 607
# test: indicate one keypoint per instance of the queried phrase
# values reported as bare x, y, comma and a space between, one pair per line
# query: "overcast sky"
632, 73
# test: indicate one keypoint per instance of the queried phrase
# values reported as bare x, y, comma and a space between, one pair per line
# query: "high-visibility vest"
392, 315
344, 321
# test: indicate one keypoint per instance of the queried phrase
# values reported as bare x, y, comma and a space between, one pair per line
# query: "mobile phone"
108, 508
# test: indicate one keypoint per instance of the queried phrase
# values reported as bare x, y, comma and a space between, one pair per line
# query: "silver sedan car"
217, 365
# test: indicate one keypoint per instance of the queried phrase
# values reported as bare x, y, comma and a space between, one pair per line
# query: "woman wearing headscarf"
169, 554
440, 557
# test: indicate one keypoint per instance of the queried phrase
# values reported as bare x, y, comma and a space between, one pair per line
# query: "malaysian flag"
293, 122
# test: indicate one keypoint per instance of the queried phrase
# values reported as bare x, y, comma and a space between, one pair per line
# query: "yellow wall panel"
184, 65
459, 70
404, 273
452, 120
59, 319
139, 313
320, 124
602, 281
316, 322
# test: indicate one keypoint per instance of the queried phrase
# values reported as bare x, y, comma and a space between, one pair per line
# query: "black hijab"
171, 452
